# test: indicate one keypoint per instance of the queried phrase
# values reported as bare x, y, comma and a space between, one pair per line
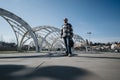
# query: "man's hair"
66, 19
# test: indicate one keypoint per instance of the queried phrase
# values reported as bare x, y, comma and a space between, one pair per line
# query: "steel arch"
45, 32
19, 26
51, 35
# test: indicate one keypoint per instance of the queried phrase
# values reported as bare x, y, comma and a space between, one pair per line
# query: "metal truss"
20, 28
43, 36
49, 37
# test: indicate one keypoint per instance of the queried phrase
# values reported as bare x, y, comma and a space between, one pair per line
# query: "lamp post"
89, 33
89, 44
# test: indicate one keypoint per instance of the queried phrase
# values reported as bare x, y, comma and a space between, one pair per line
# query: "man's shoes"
65, 55
69, 55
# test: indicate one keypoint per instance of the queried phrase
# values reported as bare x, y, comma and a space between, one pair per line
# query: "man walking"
67, 34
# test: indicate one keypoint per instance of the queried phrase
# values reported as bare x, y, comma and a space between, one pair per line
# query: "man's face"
65, 21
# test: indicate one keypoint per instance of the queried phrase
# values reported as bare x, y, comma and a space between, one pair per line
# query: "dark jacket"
67, 30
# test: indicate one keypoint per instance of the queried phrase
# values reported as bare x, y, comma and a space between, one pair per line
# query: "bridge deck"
44, 66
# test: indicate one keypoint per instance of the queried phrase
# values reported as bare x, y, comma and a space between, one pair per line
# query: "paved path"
44, 66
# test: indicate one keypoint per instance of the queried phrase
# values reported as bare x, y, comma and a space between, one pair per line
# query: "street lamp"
89, 44
89, 33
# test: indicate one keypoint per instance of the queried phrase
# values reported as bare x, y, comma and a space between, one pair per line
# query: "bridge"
42, 36
44, 66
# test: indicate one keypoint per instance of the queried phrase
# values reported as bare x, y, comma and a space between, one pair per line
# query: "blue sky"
101, 17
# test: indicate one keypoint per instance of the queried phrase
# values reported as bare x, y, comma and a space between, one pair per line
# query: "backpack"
71, 42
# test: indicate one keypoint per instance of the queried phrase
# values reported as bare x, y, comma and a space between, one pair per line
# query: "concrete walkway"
44, 66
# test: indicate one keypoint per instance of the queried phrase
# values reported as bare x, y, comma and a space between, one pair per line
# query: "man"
67, 34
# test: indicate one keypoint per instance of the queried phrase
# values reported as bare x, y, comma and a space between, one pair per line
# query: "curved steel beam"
46, 31
12, 16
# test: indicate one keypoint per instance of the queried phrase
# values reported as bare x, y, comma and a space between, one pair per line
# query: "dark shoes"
69, 55
65, 55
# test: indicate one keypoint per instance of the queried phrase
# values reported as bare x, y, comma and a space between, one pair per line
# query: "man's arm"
71, 30
61, 32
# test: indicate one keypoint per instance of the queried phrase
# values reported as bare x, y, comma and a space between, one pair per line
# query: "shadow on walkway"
29, 56
35, 56
99, 57
57, 55
46, 73
59, 73
6, 70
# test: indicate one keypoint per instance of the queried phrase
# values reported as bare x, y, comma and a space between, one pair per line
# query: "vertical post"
89, 44
89, 33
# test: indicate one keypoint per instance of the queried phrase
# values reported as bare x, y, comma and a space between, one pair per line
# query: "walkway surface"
50, 66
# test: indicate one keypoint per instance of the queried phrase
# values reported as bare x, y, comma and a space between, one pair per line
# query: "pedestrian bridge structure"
41, 37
